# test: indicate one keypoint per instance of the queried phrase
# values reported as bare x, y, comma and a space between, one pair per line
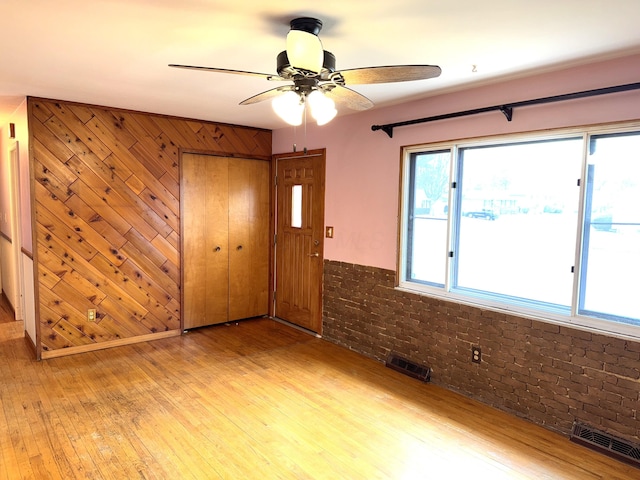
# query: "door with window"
299, 238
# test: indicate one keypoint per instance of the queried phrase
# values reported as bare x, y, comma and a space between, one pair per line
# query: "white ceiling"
115, 52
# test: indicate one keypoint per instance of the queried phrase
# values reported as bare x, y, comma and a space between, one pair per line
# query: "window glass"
296, 206
427, 217
518, 223
611, 239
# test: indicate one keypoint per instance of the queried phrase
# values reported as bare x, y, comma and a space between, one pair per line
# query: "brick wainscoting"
549, 374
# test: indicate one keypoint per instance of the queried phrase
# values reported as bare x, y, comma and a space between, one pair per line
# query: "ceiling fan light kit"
316, 82
289, 107
323, 109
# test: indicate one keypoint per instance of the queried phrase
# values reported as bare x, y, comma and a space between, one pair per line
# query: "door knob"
316, 254
239, 247
217, 249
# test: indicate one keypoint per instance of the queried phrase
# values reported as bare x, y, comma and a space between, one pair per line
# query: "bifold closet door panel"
217, 249
193, 224
249, 190
205, 240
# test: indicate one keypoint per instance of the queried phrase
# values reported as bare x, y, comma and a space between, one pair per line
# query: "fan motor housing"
306, 24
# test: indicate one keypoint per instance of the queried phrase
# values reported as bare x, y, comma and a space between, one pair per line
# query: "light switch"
329, 232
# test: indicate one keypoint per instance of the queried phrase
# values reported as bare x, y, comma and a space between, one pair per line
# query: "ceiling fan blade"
346, 97
267, 76
269, 94
393, 73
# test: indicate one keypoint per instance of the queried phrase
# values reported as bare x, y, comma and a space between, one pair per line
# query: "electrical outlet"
476, 354
91, 315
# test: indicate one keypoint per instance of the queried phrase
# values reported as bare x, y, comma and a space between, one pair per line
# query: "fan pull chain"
295, 138
305, 129
295, 134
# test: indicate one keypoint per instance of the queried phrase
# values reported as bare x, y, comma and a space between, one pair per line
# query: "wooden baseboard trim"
47, 354
30, 344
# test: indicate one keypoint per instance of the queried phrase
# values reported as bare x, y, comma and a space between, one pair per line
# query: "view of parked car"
484, 213
603, 223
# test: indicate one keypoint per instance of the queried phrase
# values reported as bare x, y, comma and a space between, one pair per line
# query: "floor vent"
411, 369
607, 444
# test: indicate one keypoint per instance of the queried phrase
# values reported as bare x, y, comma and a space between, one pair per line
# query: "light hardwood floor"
258, 400
6, 312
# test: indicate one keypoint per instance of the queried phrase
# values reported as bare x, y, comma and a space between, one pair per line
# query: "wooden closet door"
249, 190
205, 197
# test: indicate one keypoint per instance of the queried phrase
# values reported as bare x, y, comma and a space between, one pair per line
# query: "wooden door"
249, 190
205, 239
299, 239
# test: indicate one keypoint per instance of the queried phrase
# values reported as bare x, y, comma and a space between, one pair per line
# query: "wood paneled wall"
107, 218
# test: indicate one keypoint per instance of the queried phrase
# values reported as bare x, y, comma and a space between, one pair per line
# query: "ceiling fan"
316, 82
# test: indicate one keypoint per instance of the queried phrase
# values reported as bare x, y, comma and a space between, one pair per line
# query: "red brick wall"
549, 374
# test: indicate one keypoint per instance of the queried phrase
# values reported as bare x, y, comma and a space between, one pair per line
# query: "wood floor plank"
258, 399
63, 422
7, 315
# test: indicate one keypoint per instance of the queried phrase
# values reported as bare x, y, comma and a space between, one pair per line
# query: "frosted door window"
296, 206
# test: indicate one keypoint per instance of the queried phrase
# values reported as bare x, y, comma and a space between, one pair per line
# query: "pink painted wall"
363, 167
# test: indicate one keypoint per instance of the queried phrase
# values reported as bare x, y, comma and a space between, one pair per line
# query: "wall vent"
409, 368
607, 444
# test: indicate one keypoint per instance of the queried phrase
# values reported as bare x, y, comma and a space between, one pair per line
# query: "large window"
544, 226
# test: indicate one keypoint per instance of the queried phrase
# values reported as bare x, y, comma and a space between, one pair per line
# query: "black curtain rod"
507, 108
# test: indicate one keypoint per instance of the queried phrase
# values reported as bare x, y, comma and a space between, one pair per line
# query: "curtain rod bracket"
388, 129
508, 112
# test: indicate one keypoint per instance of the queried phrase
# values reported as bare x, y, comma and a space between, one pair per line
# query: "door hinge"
578, 182
274, 295
275, 238
275, 180
454, 184
450, 254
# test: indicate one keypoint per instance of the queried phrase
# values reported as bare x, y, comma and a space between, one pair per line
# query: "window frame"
572, 319
410, 203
